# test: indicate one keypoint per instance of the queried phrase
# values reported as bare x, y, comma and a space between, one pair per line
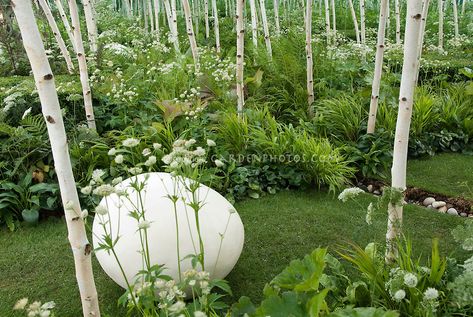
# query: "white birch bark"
334, 20
206, 17
90, 24
190, 32
309, 56
254, 23
378, 67
240, 54
172, 25
406, 96
174, 15
264, 20
65, 22
463, 7
151, 17
276, 17
423, 22
362, 22
327, 22
84, 75
216, 26
57, 35
440, 8
397, 12
44, 80
455, 19
156, 17
355, 21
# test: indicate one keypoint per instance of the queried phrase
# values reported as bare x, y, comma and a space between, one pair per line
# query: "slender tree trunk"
362, 22
84, 75
65, 22
455, 20
264, 20
216, 26
254, 23
150, 13
91, 25
397, 11
334, 21
206, 17
156, 17
378, 67
81, 248
440, 8
328, 30
276, 16
463, 7
240, 53
425, 13
172, 25
308, 50
190, 33
406, 96
174, 15
355, 21
57, 35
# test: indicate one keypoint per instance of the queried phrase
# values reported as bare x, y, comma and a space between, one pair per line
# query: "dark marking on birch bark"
50, 119
417, 16
48, 77
404, 99
87, 249
75, 218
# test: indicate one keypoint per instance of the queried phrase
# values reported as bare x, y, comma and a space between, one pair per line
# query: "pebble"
428, 201
470, 216
370, 188
438, 204
442, 209
463, 214
377, 192
430, 207
452, 211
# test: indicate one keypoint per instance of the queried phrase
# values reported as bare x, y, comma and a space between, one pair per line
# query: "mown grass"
36, 262
446, 173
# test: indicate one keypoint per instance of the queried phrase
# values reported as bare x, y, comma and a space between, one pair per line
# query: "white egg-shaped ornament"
156, 213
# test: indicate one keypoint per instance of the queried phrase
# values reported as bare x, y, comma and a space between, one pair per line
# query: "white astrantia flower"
131, 142
167, 159
410, 280
179, 143
187, 161
348, 193
174, 164
199, 151
119, 159
135, 170
26, 113
369, 214
104, 190
112, 151
431, 294
157, 146
48, 305
144, 224
21, 304
199, 313
189, 143
86, 190
101, 210
117, 180
146, 152
177, 307
84, 213
219, 163
151, 161
399, 295
211, 142
97, 175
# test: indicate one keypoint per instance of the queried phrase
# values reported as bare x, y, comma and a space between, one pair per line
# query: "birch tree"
44, 80
216, 26
406, 96
378, 66
156, 17
57, 35
455, 20
90, 24
240, 53
362, 22
190, 33
254, 23
276, 16
423, 22
65, 22
334, 20
206, 17
327, 22
397, 12
84, 75
310, 63
355, 21
264, 20
440, 9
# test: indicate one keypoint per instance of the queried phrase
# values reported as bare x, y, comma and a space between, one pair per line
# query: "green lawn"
445, 173
37, 262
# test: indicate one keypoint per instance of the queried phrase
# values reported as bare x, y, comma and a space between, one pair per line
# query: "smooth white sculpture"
220, 226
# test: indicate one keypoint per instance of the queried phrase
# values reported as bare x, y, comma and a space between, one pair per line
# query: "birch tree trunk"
172, 25
57, 35
156, 17
362, 22
378, 67
174, 16
84, 75
206, 17
44, 81
334, 21
310, 63
254, 23
216, 26
327, 22
355, 21
423, 22
151, 17
240, 53
190, 33
406, 96
455, 20
463, 7
65, 22
397, 12
276, 16
91, 25
264, 20
440, 24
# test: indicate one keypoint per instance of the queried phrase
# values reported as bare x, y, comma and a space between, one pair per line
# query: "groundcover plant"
319, 97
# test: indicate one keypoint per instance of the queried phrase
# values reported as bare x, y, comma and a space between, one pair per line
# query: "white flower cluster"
35, 309
183, 155
349, 193
118, 49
